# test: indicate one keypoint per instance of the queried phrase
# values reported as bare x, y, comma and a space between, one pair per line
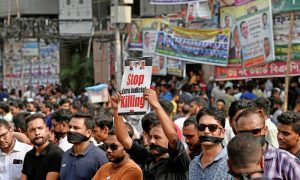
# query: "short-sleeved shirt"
129, 170
174, 167
217, 169
11, 164
84, 165
37, 167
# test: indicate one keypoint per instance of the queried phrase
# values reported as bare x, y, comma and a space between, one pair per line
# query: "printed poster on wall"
228, 20
281, 28
175, 67
199, 46
134, 39
136, 78
159, 65
254, 22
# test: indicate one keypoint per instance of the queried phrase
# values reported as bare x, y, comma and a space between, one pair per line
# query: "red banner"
274, 69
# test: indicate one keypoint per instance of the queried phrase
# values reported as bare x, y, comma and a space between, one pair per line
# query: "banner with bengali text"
199, 46
168, 2
273, 69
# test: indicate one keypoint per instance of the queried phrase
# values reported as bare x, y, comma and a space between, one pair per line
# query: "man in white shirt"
60, 120
12, 153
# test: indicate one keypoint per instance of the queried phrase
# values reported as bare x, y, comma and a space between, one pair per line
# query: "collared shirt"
271, 135
217, 169
64, 144
280, 164
37, 167
11, 164
83, 165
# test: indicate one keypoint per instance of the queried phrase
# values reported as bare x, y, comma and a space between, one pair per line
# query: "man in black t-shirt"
43, 161
167, 158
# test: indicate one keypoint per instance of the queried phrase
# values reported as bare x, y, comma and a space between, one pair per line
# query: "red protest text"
134, 79
132, 101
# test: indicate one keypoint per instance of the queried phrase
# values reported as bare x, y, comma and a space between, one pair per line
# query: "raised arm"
120, 127
166, 122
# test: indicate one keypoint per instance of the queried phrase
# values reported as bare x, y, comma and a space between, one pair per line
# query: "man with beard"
289, 132
43, 161
190, 133
84, 159
60, 121
12, 152
212, 161
167, 158
120, 165
279, 164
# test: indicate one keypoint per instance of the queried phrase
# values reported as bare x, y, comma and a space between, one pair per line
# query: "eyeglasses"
211, 127
112, 146
253, 131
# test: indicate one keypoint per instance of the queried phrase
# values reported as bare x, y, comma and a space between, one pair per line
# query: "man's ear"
106, 130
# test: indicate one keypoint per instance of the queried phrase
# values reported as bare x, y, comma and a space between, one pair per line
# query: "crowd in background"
190, 132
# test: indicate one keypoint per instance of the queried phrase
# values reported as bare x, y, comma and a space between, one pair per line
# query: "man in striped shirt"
279, 164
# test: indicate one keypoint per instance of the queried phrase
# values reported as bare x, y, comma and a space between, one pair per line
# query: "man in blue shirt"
212, 161
84, 159
165, 93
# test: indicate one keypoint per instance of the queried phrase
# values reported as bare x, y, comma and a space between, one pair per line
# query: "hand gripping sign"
136, 78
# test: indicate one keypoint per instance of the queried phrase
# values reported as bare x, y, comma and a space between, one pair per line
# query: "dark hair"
167, 106
4, 106
244, 150
76, 105
112, 132
34, 117
239, 105
221, 100
147, 121
48, 105
62, 115
19, 120
36, 106
264, 104
190, 120
88, 120
63, 101
16, 103
249, 111
214, 112
250, 85
290, 118
4, 123
200, 102
101, 123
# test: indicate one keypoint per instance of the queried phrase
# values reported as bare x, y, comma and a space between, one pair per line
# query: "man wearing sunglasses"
245, 157
167, 158
212, 161
279, 164
120, 165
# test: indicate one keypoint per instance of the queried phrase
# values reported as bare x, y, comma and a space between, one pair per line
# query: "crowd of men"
200, 132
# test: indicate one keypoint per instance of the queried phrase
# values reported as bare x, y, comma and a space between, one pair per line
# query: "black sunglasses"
112, 146
211, 127
253, 131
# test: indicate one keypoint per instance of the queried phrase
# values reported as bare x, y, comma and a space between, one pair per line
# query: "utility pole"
120, 13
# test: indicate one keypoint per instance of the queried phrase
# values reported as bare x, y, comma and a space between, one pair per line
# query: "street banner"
200, 46
159, 65
168, 2
136, 78
30, 47
134, 39
281, 28
224, 3
254, 22
197, 11
175, 67
98, 93
273, 69
228, 19
285, 5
